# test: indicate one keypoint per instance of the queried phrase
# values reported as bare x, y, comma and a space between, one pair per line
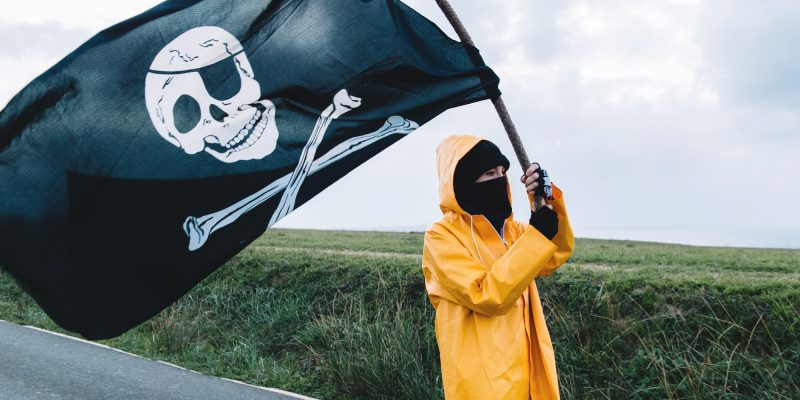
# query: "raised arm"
552, 220
490, 289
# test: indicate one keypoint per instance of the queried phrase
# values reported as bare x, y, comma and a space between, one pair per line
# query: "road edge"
103, 346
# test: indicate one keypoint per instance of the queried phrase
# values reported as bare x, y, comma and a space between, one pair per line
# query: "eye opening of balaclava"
488, 198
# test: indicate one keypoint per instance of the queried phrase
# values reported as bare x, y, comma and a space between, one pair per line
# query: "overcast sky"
661, 120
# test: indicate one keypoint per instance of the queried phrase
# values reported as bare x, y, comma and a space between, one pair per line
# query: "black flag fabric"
164, 145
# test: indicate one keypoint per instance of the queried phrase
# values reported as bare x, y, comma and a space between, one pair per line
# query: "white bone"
199, 229
342, 103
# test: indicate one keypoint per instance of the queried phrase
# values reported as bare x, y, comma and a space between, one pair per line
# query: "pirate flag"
163, 146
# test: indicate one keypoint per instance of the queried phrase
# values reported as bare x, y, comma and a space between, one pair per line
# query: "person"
479, 266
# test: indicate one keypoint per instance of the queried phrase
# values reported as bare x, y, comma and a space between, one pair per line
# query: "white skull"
230, 129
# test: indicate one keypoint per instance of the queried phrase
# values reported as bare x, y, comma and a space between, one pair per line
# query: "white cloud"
753, 52
93, 15
629, 52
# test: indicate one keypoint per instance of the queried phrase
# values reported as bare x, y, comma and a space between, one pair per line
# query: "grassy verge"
344, 315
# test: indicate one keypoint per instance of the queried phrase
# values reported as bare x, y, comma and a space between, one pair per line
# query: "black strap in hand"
544, 189
545, 221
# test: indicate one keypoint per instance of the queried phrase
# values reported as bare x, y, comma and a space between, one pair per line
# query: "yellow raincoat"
493, 341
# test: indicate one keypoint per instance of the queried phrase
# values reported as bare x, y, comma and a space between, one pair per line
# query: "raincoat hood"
448, 154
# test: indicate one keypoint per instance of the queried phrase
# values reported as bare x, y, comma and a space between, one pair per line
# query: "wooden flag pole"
499, 104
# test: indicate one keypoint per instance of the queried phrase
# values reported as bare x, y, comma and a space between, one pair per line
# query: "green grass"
344, 315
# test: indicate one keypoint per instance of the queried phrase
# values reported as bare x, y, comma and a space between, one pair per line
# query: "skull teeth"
242, 137
249, 135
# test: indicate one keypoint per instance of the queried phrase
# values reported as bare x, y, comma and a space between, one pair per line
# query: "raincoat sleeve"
490, 290
564, 239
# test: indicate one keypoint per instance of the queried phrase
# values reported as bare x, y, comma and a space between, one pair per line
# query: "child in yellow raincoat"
479, 266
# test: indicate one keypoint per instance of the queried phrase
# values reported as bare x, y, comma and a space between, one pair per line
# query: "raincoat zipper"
502, 238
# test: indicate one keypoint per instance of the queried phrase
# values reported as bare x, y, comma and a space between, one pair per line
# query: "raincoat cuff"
557, 194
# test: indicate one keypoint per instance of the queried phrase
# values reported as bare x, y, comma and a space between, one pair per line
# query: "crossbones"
234, 127
342, 103
198, 229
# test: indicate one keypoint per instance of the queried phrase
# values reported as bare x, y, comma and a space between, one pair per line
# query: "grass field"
343, 315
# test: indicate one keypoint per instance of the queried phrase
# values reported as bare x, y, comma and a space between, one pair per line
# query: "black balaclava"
488, 198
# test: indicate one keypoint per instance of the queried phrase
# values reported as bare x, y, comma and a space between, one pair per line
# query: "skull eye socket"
186, 113
222, 79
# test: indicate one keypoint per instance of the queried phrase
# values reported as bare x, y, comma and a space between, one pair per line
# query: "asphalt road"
41, 365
